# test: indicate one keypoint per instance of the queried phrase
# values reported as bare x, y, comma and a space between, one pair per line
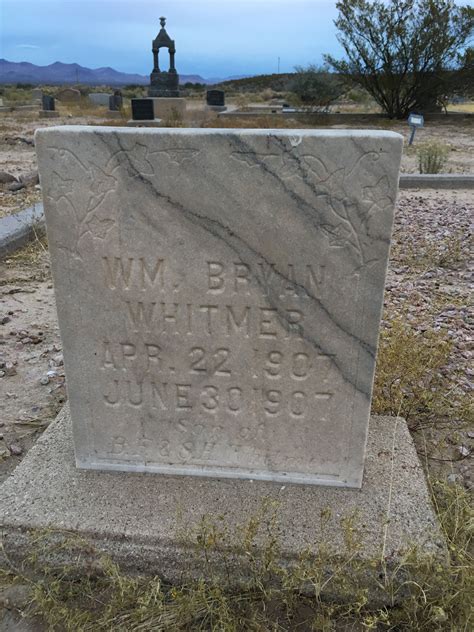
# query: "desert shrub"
432, 157
426, 254
173, 119
17, 95
133, 91
316, 86
408, 378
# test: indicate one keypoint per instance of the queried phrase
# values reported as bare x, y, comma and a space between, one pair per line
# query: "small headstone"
143, 110
228, 287
49, 107
99, 98
69, 95
48, 102
115, 102
215, 97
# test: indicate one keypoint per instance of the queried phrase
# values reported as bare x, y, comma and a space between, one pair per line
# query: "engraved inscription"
224, 324
300, 281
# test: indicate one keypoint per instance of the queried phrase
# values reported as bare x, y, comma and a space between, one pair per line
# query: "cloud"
33, 46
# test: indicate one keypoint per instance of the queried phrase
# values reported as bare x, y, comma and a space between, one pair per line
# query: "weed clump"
432, 157
408, 380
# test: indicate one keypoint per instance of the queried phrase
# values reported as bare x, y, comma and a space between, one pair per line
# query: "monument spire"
163, 83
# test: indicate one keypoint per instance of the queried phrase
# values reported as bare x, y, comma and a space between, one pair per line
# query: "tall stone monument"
163, 83
219, 296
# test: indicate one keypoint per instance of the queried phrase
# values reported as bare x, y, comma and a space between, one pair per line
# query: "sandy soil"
31, 365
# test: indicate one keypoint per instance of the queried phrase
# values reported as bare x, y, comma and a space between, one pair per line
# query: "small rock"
15, 596
44, 380
58, 360
4, 320
6, 178
15, 186
2, 373
10, 369
30, 179
464, 451
16, 449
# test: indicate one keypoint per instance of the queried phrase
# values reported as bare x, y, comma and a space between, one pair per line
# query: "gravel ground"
428, 285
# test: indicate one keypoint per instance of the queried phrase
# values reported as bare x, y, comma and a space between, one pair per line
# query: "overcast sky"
214, 38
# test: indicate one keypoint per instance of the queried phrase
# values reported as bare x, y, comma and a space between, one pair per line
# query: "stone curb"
436, 181
16, 230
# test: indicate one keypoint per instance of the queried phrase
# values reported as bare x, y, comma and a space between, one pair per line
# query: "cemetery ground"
424, 373
452, 138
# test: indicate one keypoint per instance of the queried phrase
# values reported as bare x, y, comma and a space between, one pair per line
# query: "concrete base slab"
16, 230
216, 108
151, 123
114, 114
48, 114
140, 519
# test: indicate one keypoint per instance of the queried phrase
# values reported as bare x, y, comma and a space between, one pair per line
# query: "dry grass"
424, 594
408, 380
461, 107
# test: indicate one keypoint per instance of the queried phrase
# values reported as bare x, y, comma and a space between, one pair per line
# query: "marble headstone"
219, 295
69, 95
99, 98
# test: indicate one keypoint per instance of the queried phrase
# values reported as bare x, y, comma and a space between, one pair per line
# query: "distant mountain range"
59, 73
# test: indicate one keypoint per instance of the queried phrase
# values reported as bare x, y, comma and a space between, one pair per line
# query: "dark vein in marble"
238, 245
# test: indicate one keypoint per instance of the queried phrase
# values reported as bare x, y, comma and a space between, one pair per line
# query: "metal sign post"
414, 121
